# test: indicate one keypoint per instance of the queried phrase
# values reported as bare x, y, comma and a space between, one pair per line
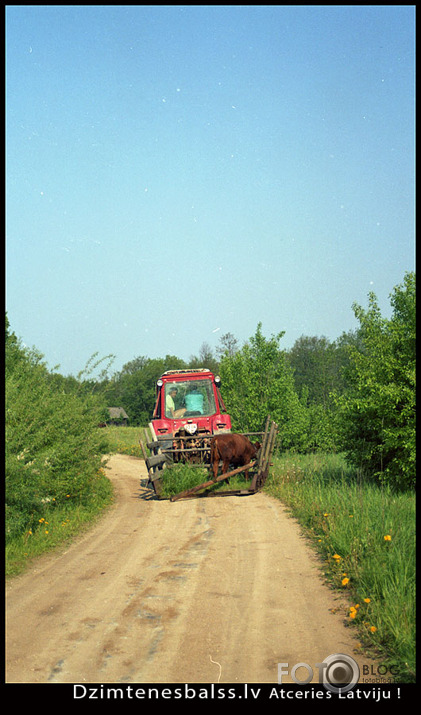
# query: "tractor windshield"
191, 398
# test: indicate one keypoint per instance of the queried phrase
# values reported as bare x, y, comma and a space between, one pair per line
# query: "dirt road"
216, 590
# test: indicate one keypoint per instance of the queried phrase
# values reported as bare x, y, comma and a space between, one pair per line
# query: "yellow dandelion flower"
387, 537
367, 600
336, 556
352, 614
345, 581
373, 629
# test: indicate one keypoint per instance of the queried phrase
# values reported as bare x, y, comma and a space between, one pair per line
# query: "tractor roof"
188, 371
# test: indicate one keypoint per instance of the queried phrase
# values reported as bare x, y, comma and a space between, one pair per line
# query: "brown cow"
233, 449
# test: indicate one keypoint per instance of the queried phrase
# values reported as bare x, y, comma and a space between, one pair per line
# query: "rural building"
118, 416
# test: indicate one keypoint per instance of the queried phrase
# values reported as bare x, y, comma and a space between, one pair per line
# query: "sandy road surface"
196, 591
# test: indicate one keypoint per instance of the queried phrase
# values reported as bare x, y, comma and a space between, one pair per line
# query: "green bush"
377, 412
257, 381
53, 447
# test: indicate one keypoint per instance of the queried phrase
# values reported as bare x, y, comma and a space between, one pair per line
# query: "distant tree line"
355, 394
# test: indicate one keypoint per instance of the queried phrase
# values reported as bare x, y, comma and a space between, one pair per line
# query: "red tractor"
189, 410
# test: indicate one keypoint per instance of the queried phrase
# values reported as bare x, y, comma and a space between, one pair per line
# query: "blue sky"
174, 173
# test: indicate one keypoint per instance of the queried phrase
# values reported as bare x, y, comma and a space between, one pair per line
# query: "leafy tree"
257, 381
228, 345
206, 358
319, 375
313, 362
378, 409
53, 447
319, 364
14, 352
134, 365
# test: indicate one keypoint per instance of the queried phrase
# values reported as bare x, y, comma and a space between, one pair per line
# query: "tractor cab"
189, 410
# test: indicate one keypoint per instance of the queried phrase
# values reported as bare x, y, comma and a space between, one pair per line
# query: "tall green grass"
124, 440
59, 524
365, 536
179, 477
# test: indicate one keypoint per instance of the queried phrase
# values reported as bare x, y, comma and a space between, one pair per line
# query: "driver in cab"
170, 405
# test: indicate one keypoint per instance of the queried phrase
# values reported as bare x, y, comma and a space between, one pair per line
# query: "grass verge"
59, 524
124, 440
365, 536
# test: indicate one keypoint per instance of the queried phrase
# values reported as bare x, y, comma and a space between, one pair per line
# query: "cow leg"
225, 468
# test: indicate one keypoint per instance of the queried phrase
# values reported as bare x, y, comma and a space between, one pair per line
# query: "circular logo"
340, 673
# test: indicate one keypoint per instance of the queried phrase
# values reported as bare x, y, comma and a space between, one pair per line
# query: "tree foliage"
53, 447
319, 368
377, 411
258, 381
228, 344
